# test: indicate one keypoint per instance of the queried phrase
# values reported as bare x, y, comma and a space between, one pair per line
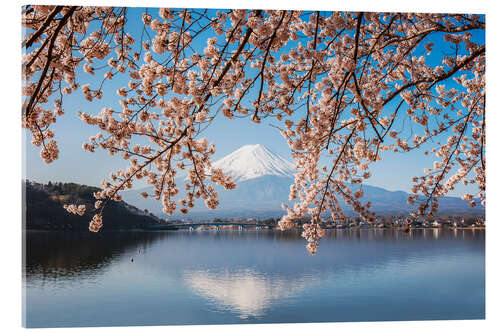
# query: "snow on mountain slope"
254, 161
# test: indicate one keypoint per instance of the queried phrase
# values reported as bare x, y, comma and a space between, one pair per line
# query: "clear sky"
393, 172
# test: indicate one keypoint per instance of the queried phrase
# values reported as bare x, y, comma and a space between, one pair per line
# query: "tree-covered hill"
44, 209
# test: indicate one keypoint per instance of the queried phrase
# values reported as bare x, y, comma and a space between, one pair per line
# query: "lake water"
260, 276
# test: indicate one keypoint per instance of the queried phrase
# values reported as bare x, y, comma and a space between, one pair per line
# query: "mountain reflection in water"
245, 292
264, 276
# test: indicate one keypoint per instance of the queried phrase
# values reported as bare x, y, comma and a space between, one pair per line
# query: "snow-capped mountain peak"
254, 161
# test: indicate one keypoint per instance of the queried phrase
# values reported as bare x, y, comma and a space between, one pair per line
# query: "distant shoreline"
223, 228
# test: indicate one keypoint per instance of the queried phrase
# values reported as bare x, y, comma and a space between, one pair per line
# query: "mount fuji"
263, 181
254, 161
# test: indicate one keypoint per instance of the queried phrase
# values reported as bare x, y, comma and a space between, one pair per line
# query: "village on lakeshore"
396, 222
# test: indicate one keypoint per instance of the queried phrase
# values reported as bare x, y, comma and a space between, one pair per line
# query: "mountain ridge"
263, 181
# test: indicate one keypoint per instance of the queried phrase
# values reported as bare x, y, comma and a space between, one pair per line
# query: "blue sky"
393, 172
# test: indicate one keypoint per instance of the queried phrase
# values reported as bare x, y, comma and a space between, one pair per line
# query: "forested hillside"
44, 209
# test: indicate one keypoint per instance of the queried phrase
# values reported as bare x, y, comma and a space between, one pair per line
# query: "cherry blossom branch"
262, 68
28, 108
44, 26
433, 81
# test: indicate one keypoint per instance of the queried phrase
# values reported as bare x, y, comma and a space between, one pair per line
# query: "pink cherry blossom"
341, 85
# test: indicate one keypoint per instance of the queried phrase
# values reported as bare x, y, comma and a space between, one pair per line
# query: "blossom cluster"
73, 209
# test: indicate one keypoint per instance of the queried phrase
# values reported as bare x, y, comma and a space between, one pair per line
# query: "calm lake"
258, 276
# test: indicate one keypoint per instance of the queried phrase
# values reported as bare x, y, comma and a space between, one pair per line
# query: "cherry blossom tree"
346, 88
